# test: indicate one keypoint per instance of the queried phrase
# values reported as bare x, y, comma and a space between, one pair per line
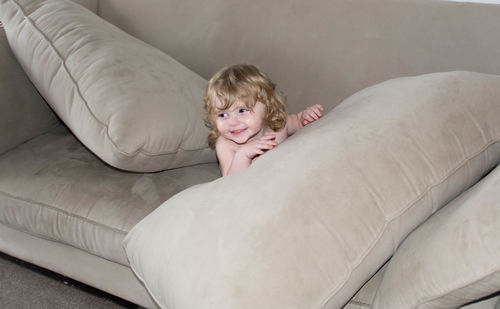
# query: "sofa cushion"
54, 188
23, 112
132, 105
453, 258
310, 221
364, 297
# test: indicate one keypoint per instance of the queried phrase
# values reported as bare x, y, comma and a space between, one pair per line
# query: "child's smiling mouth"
239, 131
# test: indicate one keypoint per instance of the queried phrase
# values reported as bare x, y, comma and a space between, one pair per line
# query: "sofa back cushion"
310, 221
453, 258
132, 105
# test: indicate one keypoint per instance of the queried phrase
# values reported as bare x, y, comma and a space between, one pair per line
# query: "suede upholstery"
64, 209
466, 233
318, 51
132, 105
74, 263
333, 203
26, 115
54, 179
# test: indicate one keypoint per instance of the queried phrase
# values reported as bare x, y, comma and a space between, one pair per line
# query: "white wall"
478, 1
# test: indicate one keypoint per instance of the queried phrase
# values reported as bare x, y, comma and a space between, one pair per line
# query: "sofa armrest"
23, 112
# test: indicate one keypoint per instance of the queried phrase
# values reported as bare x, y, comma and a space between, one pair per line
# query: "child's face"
239, 123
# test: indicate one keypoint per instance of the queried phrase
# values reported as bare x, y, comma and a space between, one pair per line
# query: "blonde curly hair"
246, 83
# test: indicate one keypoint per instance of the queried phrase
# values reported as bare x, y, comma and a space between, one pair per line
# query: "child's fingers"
315, 114
268, 140
317, 109
314, 110
268, 137
310, 116
267, 145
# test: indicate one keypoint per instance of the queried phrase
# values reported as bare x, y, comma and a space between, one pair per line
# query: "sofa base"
77, 264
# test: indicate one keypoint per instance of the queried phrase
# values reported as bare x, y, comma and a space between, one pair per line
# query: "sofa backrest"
23, 112
89, 4
318, 51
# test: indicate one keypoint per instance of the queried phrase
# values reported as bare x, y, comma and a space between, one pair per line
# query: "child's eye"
244, 110
222, 115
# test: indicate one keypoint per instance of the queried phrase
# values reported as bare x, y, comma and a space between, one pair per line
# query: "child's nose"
233, 120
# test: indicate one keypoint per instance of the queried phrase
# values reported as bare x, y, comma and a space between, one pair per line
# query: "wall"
318, 51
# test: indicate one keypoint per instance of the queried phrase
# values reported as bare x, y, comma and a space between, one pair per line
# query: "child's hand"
259, 145
310, 114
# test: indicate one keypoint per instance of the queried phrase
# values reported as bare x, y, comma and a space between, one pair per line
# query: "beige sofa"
73, 186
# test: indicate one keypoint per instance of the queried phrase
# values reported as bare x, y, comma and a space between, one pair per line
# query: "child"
247, 117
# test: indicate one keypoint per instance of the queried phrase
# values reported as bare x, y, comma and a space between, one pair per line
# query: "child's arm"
233, 158
297, 121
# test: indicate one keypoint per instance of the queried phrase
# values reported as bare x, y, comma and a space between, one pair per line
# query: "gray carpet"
25, 286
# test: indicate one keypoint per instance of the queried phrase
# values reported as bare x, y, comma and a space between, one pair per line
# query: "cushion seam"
359, 303
77, 88
147, 287
409, 206
495, 272
64, 212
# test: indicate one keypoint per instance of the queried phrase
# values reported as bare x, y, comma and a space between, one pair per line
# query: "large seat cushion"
453, 258
310, 221
54, 188
132, 105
